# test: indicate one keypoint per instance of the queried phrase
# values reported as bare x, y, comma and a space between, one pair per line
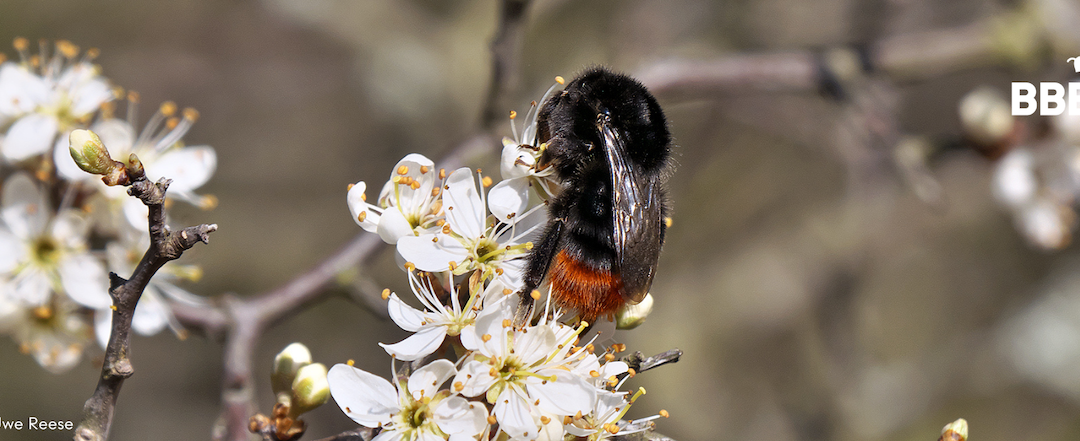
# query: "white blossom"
470, 239
54, 334
413, 409
408, 205
47, 97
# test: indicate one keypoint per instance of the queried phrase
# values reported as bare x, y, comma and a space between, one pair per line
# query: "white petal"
476, 377
90, 95
366, 398
534, 345
85, 281
414, 201
24, 209
465, 211
514, 163
151, 313
578, 431
406, 317
1015, 182
69, 229
20, 90
117, 135
390, 435
509, 199
429, 254
426, 380
514, 415
457, 416
31, 285
490, 322
393, 226
567, 395
11, 251
355, 199
103, 326
188, 167
416, 346
136, 214
31, 135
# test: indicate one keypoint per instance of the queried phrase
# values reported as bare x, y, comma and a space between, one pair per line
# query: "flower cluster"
471, 372
61, 231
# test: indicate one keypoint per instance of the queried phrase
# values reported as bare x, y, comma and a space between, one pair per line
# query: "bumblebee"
608, 141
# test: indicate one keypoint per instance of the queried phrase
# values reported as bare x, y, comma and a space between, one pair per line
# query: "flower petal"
31, 135
515, 416
11, 251
89, 95
476, 378
416, 346
85, 281
426, 380
431, 252
457, 416
103, 326
31, 285
20, 90
24, 209
188, 167
509, 199
393, 226
566, 395
366, 398
151, 313
406, 317
465, 212
355, 199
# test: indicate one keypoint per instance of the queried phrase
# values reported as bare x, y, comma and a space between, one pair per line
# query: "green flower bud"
90, 153
955, 431
309, 390
632, 316
286, 364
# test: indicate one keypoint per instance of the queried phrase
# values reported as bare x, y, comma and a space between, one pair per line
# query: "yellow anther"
618, 347
350, 362
486, 337
453, 265
535, 294
191, 114
667, 222
435, 191
43, 312
507, 291
403, 170
112, 307
459, 386
349, 187
528, 245
631, 372
171, 123
612, 428
21, 43
385, 293
92, 53
67, 49
612, 380
491, 419
442, 173
499, 271
506, 323
609, 357
168, 108
544, 419
559, 79
410, 266
664, 413
446, 228
589, 347
567, 420
363, 197
594, 373
492, 372
486, 181
360, 217
133, 96
415, 185
513, 114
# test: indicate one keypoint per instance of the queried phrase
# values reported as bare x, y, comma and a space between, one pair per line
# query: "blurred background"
838, 268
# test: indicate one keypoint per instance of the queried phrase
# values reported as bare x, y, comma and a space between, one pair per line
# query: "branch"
165, 246
505, 61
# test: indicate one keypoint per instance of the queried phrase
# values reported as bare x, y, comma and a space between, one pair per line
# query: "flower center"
45, 251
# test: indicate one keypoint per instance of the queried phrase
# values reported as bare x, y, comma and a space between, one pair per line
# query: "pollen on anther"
112, 307
609, 357
492, 372
559, 79
424, 169
350, 362
613, 380
486, 337
167, 108
403, 170
459, 386
452, 265
363, 197
491, 419
347, 410
664, 413
593, 373
667, 222
409, 266
567, 419
506, 323
442, 173
535, 294
385, 293
191, 114
631, 372
360, 217
544, 419
21, 43
513, 114
349, 187
507, 291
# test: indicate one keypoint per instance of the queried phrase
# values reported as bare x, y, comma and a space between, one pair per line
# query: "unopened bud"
310, 389
286, 364
90, 153
955, 431
632, 316
986, 116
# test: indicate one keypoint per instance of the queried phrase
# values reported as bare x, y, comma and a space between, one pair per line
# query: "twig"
360, 434
165, 246
505, 61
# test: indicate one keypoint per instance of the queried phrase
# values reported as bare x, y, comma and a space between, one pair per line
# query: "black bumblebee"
608, 141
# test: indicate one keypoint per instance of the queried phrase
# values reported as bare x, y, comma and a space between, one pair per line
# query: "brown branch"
505, 61
165, 246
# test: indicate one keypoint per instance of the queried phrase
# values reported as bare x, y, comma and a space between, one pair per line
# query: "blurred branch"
505, 61
165, 246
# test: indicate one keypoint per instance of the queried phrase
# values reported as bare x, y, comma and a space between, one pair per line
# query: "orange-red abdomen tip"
590, 291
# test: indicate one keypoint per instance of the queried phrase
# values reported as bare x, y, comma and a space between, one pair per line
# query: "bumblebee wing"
636, 208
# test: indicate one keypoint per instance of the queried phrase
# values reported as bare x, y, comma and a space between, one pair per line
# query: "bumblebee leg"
539, 262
